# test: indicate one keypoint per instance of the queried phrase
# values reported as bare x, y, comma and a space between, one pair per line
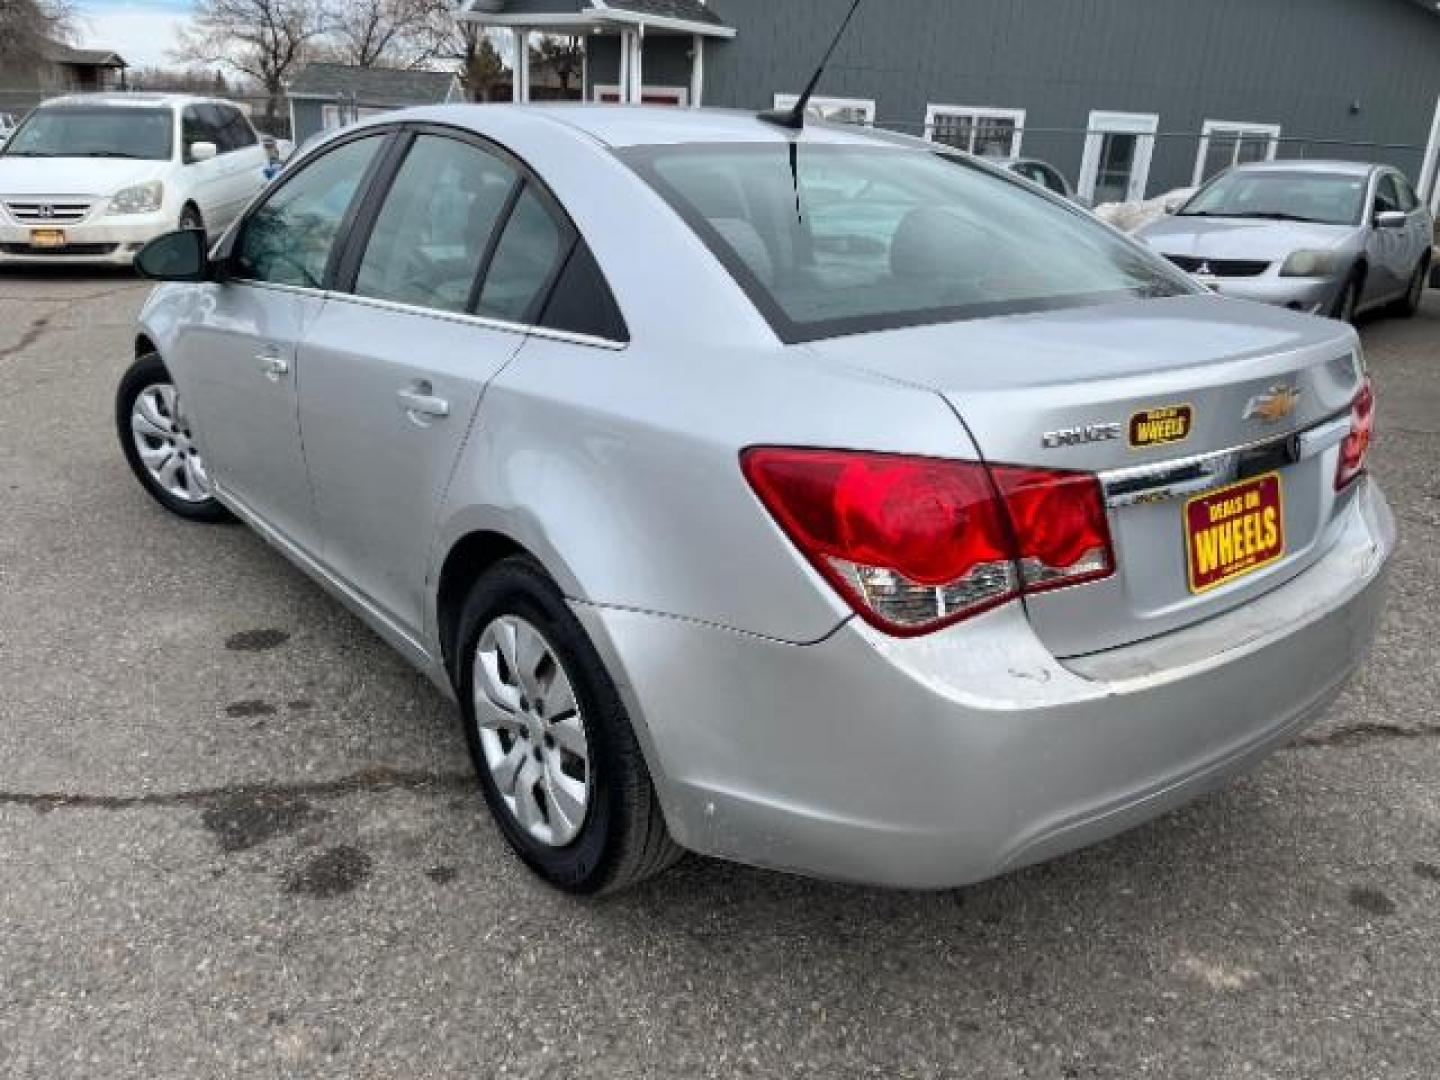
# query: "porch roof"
582, 16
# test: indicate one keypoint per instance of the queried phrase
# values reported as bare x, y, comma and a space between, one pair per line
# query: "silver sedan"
819, 500
1328, 238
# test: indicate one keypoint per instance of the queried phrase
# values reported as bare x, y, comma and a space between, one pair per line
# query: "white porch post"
624, 67
697, 73
637, 66
520, 83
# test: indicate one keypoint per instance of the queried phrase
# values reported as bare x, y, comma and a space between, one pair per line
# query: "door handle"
272, 365
419, 401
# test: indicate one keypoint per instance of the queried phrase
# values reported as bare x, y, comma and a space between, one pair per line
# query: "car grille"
1220, 267
68, 249
44, 213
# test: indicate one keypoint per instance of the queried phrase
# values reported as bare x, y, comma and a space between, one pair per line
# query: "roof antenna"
795, 118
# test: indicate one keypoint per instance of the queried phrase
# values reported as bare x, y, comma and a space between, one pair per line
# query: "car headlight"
1314, 264
140, 199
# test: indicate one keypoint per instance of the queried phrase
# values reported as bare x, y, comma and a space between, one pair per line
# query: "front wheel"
1410, 304
158, 442
558, 761
1348, 301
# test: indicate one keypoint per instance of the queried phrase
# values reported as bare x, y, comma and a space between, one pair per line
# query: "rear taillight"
916, 543
1357, 444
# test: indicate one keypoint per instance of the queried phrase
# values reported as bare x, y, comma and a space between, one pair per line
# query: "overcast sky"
142, 31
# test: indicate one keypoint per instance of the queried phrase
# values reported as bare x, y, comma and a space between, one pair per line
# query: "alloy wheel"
531, 731
166, 446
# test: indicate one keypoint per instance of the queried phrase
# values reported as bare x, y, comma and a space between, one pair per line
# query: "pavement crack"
1357, 734
31, 335
366, 780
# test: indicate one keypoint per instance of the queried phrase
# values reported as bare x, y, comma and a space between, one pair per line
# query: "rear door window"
529, 255
436, 225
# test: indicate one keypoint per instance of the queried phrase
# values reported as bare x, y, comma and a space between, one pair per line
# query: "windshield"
1327, 199
829, 240
94, 131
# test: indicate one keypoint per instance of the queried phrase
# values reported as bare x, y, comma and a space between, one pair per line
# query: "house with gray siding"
326, 96
1128, 98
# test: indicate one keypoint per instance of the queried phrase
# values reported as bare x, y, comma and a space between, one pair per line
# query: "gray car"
818, 500
1328, 238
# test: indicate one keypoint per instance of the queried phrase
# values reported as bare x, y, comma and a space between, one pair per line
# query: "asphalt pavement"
239, 837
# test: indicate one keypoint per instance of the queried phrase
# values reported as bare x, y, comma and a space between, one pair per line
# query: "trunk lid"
1154, 396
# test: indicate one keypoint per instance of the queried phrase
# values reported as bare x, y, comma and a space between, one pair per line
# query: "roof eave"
593, 17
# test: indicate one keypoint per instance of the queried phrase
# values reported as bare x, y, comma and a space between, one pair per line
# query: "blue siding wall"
1298, 63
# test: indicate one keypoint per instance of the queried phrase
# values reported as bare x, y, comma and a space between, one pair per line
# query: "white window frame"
332, 114
865, 105
681, 94
1102, 123
976, 115
1239, 131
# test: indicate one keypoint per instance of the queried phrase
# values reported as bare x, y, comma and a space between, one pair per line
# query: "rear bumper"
942, 761
1313, 296
102, 240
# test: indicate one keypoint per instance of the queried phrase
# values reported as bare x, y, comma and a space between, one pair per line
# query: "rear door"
241, 174
241, 353
440, 289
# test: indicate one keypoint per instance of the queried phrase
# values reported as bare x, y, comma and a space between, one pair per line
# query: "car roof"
133, 99
641, 125
1341, 168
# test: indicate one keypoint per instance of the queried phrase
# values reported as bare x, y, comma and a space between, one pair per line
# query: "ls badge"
1161, 427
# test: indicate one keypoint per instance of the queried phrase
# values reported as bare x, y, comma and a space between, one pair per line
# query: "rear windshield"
94, 131
1283, 196
830, 240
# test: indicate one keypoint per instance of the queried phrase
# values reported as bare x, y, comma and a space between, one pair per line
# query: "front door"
1118, 150
242, 355
438, 299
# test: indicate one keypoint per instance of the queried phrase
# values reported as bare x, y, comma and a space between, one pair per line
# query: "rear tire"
156, 439
619, 838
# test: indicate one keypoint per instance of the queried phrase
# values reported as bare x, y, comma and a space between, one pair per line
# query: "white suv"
94, 177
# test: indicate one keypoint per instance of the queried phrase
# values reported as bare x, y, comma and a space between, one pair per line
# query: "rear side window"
526, 260
582, 303
289, 238
830, 239
432, 233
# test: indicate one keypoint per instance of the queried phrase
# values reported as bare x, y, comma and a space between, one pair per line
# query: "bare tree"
481, 67
29, 29
565, 56
264, 39
387, 33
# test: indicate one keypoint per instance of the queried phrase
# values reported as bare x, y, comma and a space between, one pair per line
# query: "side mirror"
1391, 219
176, 256
201, 151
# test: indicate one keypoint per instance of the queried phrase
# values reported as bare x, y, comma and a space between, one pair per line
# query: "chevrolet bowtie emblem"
1274, 406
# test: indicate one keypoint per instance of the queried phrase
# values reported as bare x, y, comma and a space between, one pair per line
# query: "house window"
335, 116
986, 132
649, 95
1225, 144
835, 109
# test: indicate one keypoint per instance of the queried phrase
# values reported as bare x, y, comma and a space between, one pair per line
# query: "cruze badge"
1274, 406
1078, 436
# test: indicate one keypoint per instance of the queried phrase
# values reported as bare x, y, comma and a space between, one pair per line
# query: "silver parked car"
1329, 238
1044, 174
817, 499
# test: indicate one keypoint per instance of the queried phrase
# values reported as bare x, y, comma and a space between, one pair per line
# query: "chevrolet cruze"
816, 498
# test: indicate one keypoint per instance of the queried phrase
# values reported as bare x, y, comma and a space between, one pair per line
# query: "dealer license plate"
1234, 531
